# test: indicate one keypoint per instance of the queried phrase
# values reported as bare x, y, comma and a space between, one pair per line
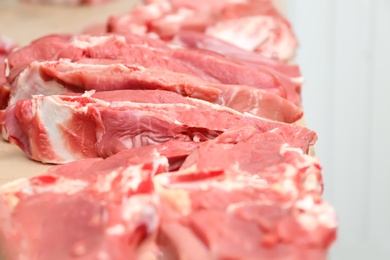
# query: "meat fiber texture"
253, 25
6, 47
235, 207
65, 128
59, 63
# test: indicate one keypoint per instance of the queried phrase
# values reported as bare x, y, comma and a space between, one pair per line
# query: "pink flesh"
104, 130
81, 218
192, 39
111, 75
246, 216
166, 18
207, 66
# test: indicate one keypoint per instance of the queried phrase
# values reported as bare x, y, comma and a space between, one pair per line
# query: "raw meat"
175, 137
58, 77
191, 39
250, 24
254, 209
60, 128
259, 196
63, 214
288, 75
149, 53
6, 47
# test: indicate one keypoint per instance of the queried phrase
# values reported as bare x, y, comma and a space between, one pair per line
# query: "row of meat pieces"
173, 125
246, 194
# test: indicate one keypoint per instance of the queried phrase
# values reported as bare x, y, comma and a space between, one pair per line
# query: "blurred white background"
345, 57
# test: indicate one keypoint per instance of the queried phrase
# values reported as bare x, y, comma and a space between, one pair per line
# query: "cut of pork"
256, 26
255, 209
250, 24
260, 198
57, 46
58, 77
60, 128
149, 53
58, 215
191, 39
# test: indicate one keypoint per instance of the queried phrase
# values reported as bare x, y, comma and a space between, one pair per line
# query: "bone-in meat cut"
253, 25
58, 77
6, 47
133, 50
108, 216
64, 128
273, 205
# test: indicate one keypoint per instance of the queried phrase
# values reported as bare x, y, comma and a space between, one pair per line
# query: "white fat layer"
52, 116
88, 93
136, 177
298, 80
248, 38
141, 210
325, 213
29, 83
308, 221
181, 15
14, 186
76, 66
104, 182
90, 42
287, 148
62, 185
116, 230
285, 48
312, 182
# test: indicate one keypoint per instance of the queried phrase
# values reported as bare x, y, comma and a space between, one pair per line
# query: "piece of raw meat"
267, 209
260, 198
191, 39
288, 75
250, 24
137, 50
108, 214
60, 128
6, 47
58, 77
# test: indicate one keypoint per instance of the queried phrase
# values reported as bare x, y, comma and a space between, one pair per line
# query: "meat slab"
254, 209
64, 128
250, 24
259, 196
58, 77
104, 215
132, 50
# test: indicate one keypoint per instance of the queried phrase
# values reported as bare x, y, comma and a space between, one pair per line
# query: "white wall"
345, 57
